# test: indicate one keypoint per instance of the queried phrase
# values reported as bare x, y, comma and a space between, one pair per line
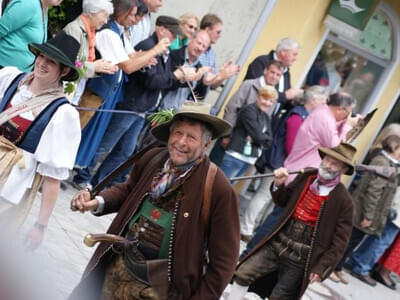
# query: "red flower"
155, 214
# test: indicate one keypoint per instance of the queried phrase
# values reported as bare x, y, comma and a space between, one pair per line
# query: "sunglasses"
192, 26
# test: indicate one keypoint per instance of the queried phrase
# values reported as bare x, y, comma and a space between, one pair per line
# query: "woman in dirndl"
39, 134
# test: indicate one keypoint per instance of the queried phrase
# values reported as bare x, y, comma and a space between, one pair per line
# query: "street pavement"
61, 259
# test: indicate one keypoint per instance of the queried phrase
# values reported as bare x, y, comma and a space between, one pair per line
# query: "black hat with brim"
63, 48
170, 23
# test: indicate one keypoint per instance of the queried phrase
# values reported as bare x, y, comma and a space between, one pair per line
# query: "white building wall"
239, 19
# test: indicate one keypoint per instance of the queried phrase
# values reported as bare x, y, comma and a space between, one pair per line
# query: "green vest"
158, 216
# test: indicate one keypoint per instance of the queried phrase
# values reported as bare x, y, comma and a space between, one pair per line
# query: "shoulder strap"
205, 212
31, 138
10, 91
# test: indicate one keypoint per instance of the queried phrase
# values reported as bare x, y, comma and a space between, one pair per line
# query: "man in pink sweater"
326, 126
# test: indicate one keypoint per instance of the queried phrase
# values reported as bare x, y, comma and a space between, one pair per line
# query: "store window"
355, 66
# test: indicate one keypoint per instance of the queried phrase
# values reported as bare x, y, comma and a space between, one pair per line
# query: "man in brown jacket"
310, 238
163, 211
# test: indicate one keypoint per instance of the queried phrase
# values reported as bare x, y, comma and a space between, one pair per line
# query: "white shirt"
140, 31
110, 45
111, 48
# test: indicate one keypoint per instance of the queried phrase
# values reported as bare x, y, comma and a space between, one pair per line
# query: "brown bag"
91, 100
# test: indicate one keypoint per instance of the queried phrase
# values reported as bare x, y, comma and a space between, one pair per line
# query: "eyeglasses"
194, 27
348, 111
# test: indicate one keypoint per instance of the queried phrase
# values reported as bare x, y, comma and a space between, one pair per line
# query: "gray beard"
327, 174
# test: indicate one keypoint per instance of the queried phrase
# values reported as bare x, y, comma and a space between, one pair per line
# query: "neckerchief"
169, 175
91, 38
321, 181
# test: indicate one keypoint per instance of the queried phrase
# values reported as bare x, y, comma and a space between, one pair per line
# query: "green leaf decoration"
162, 116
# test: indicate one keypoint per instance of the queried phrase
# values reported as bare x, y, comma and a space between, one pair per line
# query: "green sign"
355, 13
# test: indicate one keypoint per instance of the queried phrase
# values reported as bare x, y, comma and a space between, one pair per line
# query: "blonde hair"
186, 17
268, 92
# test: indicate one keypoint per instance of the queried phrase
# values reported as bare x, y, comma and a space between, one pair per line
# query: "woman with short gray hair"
96, 6
95, 14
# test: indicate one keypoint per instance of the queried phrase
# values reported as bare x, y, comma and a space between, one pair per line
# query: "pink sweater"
319, 129
293, 124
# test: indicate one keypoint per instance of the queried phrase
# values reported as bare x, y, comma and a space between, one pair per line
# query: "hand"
189, 74
314, 278
34, 238
280, 176
203, 70
293, 93
152, 62
225, 141
365, 223
103, 66
83, 202
162, 46
228, 70
209, 78
352, 121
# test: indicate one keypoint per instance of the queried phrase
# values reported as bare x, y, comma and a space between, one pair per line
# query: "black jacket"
254, 123
144, 86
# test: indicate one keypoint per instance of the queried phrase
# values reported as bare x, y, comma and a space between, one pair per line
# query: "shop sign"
349, 17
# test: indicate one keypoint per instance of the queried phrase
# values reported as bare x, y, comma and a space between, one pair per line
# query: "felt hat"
63, 48
199, 111
344, 152
170, 23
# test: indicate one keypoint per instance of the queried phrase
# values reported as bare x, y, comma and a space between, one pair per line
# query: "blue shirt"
209, 59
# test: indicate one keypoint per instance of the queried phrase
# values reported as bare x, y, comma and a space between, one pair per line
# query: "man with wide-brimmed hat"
312, 234
176, 206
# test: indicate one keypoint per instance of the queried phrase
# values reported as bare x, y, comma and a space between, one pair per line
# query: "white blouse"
57, 148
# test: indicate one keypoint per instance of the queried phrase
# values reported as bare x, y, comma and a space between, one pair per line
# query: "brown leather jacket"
190, 234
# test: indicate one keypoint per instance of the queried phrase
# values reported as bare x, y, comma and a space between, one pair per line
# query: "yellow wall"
303, 21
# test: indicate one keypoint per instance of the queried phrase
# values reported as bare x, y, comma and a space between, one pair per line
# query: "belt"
298, 231
290, 244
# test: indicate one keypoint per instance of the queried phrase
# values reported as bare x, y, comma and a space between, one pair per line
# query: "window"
355, 66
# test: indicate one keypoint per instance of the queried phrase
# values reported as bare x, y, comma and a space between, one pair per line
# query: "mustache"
327, 173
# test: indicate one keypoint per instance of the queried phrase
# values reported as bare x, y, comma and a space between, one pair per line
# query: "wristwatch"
39, 226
